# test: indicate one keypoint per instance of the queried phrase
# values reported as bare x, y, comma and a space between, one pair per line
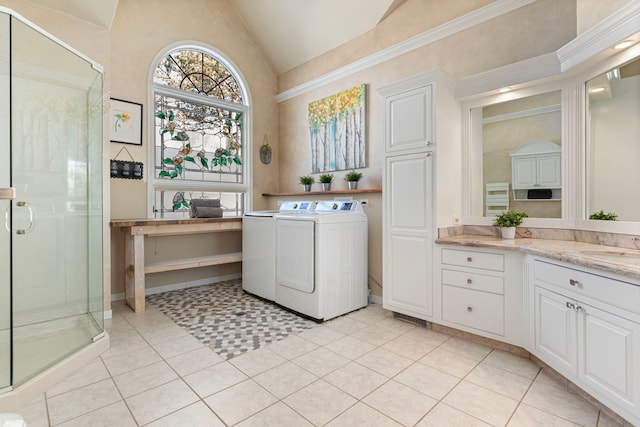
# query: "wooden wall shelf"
324, 193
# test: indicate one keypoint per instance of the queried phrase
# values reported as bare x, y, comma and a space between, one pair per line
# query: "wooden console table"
136, 229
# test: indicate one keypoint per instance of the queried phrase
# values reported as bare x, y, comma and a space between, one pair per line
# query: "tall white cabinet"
412, 140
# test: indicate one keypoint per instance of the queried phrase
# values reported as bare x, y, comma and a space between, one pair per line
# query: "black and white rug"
226, 319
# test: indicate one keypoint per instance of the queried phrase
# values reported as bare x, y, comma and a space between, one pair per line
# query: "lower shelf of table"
182, 264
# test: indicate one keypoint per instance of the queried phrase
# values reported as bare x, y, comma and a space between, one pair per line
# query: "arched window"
200, 133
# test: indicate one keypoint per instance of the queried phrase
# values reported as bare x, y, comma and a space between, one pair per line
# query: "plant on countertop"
609, 216
353, 176
509, 219
326, 178
307, 180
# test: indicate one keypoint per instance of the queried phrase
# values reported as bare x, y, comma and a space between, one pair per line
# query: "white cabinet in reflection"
536, 165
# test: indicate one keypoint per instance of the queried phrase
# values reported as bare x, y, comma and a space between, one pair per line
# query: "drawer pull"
469, 309
469, 259
469, 281
573, 282
571, 305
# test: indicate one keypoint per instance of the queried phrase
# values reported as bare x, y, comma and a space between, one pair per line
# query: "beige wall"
539, 28
141, 30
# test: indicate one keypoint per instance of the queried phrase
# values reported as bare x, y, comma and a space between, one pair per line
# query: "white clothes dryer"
258, 248
321, 259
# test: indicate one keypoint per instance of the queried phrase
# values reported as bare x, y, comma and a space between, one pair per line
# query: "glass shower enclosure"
51, 292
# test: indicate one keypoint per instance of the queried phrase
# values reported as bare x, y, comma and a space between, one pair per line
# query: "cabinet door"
555, 331
609, 356
524, 172
549, 175
408, 240
408, 120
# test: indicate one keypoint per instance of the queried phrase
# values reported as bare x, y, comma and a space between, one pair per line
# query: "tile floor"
363, 369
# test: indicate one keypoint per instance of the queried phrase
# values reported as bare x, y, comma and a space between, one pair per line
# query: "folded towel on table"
212, 203
205, 212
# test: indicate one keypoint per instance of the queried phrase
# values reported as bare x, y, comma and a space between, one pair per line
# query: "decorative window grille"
199, 137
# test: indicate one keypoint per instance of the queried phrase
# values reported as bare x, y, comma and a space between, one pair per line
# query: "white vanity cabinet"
587, 327
481, 292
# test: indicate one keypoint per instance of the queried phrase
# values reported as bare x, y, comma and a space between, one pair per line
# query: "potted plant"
352, 178
508, 221
610, 216
325, 180
306, 182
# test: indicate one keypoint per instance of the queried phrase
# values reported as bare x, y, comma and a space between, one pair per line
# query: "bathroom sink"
610, 254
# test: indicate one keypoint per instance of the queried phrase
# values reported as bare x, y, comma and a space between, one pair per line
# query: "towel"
205, 212
212, 203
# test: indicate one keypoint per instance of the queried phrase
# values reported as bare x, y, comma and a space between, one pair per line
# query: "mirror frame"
470, 148
582, 221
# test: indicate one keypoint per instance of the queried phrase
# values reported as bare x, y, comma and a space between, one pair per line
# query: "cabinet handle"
469, 281
469, 308
427, 155
573, 282
469, 259
571, 305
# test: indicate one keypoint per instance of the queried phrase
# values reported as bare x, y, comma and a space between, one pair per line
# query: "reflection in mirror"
515, 157
613, 142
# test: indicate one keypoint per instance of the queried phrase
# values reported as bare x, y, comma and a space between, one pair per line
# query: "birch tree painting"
337, 131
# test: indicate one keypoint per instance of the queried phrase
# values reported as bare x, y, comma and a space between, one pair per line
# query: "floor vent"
410, 319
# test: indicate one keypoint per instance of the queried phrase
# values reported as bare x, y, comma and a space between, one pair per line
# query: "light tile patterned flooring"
363, 369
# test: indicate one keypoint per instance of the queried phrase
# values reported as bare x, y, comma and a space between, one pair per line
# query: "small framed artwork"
126, 122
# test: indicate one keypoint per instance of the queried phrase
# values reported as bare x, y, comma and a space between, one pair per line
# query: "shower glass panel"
5, 211
56, 218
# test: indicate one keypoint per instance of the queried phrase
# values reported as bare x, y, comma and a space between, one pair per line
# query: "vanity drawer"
474, 309
467, 258
614, 292
479, 282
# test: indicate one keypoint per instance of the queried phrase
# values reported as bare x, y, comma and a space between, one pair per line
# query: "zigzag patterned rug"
226, 319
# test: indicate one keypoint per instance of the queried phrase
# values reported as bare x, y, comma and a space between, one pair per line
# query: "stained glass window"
199, 134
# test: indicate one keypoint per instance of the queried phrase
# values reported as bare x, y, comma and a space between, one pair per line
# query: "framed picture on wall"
126, 122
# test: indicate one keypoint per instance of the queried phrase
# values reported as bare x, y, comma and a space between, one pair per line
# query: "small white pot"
326, 186
306, 187
353, 185
508, 232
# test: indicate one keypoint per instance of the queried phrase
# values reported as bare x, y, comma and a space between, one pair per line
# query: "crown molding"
464, 22
616, 27
528, 70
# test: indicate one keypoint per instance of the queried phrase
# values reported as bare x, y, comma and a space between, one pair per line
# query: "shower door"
56, 217
6, 194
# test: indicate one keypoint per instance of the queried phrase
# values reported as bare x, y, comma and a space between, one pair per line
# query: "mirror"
613, 142
515, 158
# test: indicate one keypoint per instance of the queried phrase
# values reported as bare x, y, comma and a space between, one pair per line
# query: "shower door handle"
8, 193
32, 218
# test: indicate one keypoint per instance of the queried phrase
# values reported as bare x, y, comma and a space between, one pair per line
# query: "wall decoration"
124, 168
265, 151
337, 126
126, 122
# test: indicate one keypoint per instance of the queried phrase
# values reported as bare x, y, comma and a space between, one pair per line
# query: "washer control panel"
337, 206
302, 206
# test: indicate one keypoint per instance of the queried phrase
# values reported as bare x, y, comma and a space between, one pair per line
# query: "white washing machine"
259, 249
321, 259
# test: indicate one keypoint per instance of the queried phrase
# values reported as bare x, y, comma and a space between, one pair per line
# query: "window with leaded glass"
200, 140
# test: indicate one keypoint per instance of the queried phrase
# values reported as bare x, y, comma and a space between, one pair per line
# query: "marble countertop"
611, 259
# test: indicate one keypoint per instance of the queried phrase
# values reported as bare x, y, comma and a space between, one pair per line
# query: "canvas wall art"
337, 126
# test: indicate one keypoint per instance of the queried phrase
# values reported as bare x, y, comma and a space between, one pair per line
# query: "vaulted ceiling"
289, 32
